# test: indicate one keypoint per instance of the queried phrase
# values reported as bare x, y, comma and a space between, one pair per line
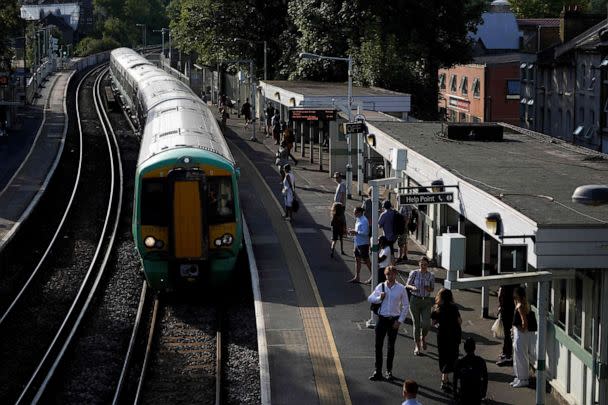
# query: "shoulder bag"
376, 307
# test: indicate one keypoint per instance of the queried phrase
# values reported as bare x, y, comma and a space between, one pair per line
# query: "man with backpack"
470, 376
387, 223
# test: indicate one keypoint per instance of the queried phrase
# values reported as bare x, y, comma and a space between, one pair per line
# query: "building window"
583, 76
475, 88
522, 71
463, 117
578, 131
592, 117
577, 320
581, 115
530, 73
442, 81
513, 89
464, 86
453, 84
560, 305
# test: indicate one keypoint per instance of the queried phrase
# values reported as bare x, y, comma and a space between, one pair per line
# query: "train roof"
128, 58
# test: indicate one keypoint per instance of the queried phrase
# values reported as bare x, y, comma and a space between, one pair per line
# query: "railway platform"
29, 158
319, 348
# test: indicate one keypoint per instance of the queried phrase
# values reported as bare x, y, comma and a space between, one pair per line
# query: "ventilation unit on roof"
469, 131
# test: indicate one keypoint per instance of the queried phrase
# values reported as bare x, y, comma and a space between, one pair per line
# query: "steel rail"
144, 367
218, 362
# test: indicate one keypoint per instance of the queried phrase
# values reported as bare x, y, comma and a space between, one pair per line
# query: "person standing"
269, 115
386, 222
289, 194
367, 207
446, 318
340, 194
393, 309
410, 391
421, 283
406, 211
522, 333
246, 111
506, 310
361, 242
472, 374
338, 226
384, 257
276, 127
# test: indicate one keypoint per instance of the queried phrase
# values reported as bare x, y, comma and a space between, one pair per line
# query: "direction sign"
427, 198
354, 127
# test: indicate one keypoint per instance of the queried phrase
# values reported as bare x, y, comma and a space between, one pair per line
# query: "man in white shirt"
393, 310
340, 195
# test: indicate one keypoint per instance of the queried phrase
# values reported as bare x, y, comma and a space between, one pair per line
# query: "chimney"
574, 22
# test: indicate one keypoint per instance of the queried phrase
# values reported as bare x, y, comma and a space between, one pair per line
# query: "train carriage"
186, 216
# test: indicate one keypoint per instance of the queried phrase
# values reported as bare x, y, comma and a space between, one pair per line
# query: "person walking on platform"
340, 194
524, 324
470, 377
361, 242
410, 391
338, 226
246, 111
289, 193
269, 115
282, 159
276, 127
386, 222
506, 310
392, 312
421, 283
384, 257
446, 318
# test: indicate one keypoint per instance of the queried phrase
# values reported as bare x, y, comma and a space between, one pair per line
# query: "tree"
543, 8
10, 22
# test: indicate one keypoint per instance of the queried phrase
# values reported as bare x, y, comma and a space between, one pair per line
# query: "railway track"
49, 340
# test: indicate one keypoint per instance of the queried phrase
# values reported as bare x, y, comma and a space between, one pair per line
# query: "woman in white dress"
289, 185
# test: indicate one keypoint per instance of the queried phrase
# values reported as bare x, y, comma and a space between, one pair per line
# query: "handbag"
498, 329
532, 324
376, 307
295, 205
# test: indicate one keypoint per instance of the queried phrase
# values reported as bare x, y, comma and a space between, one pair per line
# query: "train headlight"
218, 242
150, 241
227, 239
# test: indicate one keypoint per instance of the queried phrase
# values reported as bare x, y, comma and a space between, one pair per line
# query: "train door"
188, 222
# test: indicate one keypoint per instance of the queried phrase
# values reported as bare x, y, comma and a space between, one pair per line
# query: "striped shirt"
421, 281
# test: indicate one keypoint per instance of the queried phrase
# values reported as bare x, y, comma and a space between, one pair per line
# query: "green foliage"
545, 8
88, 46
10, 22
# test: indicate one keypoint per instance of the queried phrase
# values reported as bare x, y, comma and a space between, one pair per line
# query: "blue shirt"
386, 223
362, 231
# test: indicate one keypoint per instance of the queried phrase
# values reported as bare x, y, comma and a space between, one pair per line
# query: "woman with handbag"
289, 194
524, 324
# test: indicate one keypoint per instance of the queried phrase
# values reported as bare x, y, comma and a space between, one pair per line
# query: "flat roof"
325, 89
525, 171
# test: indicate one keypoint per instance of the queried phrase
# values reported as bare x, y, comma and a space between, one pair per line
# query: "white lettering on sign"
427, 198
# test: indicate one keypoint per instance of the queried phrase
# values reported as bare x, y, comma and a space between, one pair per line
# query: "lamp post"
162, 39
143, 34
349, 103
252, 41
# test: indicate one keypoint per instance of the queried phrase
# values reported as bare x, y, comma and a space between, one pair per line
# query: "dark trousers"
384, 327
507, 323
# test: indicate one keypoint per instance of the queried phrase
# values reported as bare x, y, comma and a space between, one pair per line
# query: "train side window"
220, 199
154, 204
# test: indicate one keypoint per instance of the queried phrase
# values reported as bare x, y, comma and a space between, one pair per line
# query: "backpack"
398, 224
469, 382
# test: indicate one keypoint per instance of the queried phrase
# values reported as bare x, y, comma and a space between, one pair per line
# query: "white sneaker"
515, 381
521, 384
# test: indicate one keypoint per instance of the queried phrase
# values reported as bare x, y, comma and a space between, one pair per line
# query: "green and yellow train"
187, 222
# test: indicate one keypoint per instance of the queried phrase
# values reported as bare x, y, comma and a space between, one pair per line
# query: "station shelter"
510, 210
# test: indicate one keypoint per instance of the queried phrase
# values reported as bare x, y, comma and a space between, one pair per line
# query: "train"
187, 222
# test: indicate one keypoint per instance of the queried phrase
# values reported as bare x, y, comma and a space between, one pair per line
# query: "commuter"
289, 139
361, 242
524, 324
446, 318
223, 102
406, 211
289, 193
384, 257
340, 194
392, 312
367, 206
505, 310
338, 226
472, 374
386, 222
246, 111
410, 391
282, 158
269, 115
421, 283
276, 127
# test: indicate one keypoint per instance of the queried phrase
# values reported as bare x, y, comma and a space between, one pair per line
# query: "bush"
88, 46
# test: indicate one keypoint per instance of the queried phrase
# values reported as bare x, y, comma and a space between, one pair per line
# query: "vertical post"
371, 323
541, 375
302, 153
170, 48
359, 163
265, 60
296, 132
485, 254
252, 103
311, 138
320, 132
603, 350
349, 166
